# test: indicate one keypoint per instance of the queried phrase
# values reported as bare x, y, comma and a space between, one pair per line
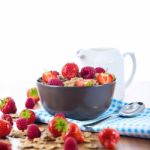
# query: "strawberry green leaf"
33, 92
25, 114
61, 125
3, 102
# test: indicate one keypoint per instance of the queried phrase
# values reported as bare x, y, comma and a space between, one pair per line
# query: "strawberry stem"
61, 125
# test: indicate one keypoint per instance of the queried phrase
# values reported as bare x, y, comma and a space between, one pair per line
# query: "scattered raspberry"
30, 103
33, 131
8, 118
99, 70
56, 82
70, 144
21, 124
87, 72
5, 145
5, 128
7, 105
70, 70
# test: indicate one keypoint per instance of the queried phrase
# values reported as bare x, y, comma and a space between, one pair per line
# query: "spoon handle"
97, 121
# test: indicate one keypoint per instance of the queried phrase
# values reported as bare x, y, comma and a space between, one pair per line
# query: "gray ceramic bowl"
81, 103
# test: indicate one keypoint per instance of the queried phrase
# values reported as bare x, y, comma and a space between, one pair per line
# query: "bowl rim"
44, 84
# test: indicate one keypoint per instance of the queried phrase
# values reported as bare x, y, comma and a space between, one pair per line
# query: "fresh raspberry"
29, 115
70, 144
21, 124
7, 105
5, 145
33, 131
5, 128
56, 82
8, 118
30, 103
70, 70
99, 70
87, 72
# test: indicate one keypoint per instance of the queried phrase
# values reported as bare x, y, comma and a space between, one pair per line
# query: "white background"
43, 35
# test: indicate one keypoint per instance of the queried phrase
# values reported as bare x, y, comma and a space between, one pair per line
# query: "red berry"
5, 128
56, 72
70, 144
5, 145
60, 115
56, 82
8, 118
104, 78
46, 76
30, 103
87, 72
33, 93
109, 137
70, 70
7, 105
21, 124
29, 115
33, 131
58, 125
75, 132
99, 70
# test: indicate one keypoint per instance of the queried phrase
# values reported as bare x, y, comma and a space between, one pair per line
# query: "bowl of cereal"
79, 94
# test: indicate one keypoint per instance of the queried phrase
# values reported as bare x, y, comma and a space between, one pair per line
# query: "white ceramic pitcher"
111, 60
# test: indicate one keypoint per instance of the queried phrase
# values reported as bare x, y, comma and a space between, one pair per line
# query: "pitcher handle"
127, 83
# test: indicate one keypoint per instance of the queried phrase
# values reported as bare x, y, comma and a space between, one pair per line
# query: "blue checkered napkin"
138, 126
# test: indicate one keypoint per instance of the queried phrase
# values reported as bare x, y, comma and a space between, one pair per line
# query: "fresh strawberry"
8, 118
58, 125
70, 70
46, 76
7, 105
5, 128
33, 93
74, 131
5, 145
104, 78
70, 144
109, 137
28, 114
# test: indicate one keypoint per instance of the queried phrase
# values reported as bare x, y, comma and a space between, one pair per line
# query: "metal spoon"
129, 110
